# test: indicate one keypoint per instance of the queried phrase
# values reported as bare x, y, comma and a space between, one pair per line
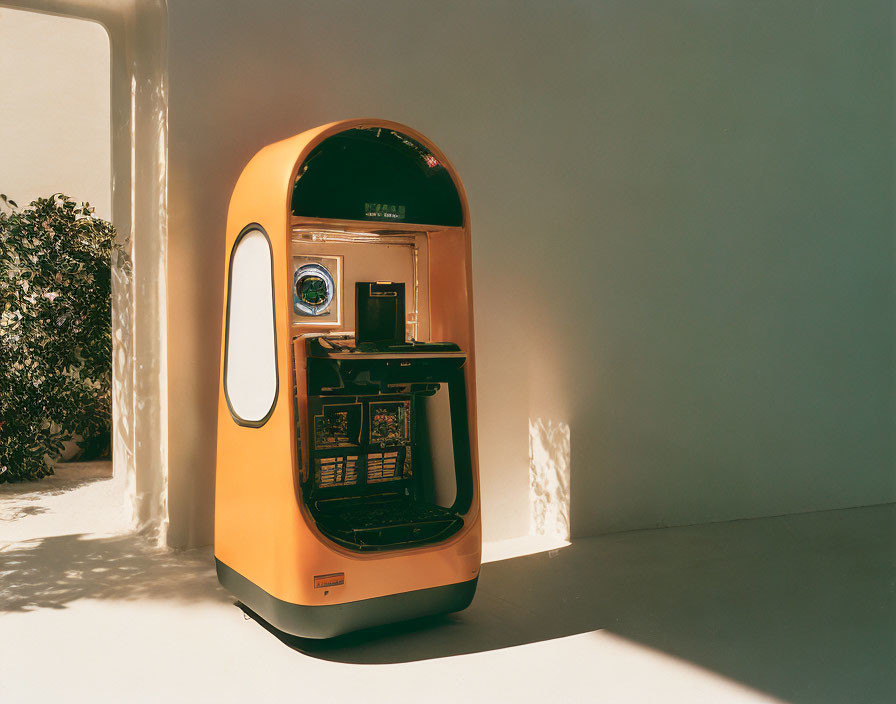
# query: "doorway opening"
129, 44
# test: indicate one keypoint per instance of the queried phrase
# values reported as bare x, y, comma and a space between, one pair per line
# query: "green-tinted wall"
707, 186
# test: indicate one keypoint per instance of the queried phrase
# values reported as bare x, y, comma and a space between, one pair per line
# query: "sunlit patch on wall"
549, 478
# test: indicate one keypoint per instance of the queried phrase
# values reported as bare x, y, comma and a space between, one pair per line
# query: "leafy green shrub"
55, 331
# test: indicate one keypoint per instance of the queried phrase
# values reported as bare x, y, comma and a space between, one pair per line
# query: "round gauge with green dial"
313, 290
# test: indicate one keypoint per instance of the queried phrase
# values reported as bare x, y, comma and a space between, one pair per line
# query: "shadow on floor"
802, 607
25, 498
51, 573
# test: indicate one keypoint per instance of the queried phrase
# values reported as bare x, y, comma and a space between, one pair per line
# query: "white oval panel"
250, 374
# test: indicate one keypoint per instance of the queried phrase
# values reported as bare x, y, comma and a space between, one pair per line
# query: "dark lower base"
335, 619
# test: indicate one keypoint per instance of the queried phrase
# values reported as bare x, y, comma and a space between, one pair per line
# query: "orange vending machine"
347, 489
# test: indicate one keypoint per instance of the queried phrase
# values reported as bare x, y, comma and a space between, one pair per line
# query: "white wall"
54, 109
706, 188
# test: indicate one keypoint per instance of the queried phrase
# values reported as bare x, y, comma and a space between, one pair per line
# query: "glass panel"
437, 419
250, 375
376, 174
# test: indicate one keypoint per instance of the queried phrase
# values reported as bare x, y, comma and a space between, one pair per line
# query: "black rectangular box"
379, 313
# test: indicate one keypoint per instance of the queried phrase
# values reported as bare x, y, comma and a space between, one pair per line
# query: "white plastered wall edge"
137, 32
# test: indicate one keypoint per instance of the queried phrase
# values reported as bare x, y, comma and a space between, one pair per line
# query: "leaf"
55, 330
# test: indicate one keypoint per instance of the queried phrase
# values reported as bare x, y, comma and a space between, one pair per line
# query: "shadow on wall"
50, 573
549, 477
791, 606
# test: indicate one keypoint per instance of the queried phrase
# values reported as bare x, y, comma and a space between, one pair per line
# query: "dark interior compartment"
386, 521
389, 463
371, 173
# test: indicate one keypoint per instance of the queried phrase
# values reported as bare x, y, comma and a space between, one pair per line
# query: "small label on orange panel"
324, 581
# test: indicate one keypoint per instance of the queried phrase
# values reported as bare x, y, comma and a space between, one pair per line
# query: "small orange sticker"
323, 581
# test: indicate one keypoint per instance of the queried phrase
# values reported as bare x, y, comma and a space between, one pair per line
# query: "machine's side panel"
256, 516
451, 316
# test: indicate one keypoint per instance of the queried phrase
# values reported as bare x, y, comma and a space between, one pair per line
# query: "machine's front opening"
388, 445
382, 414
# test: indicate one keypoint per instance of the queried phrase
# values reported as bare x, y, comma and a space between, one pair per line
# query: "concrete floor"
798, 608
